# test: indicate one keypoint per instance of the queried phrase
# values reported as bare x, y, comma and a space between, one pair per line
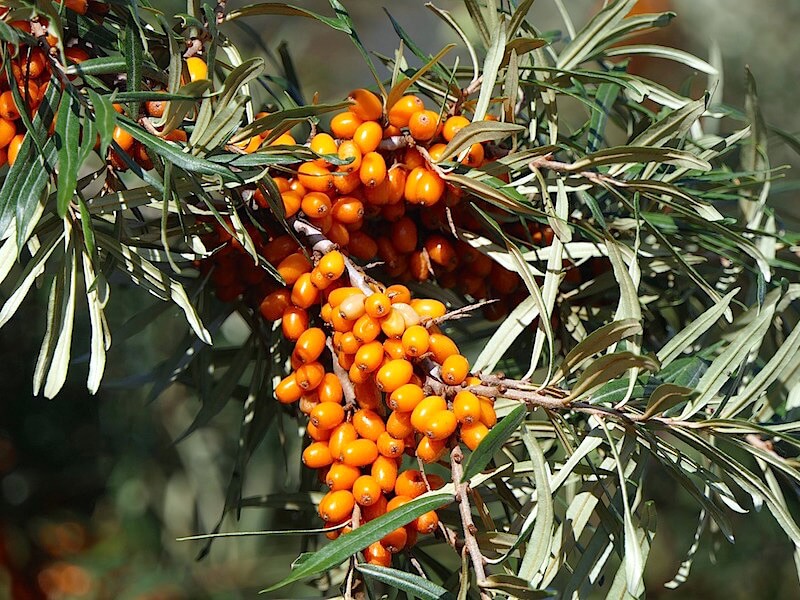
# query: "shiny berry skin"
366, 105
368, 424
314, 177
327, 415
428, 308
310, 344
410, 483
453, 125
349, 150
337, 506
441, 425
429, 450
488, 416
377, 305
367, 136
344, 125
441, 346
373, 169
416, 340
455, 369
384, 471
473, 434
293, 266
395, 540
400, 112
399, 424
423, 125
330, 389
197, 67
389, 446
366, 490
467, 407
316, 204
366, 329
404, 235
359, 453
377, 554
427, 522
341, 435
393, 374
317, 455
425, 410
309, 376
304, 292
323, 143
406, 397
294, 322
288, 391
398, 293
341, 476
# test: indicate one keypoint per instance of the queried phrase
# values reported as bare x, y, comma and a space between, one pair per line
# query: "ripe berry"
366, 490
309, 376
467, 407
376, 554
366, 105
455, 369
428, 308
316, 204
423, 125
317, 455
410, 483
473, 434
393, 374
197, 67
293, 266
304, 292
288, 391
399, 425
327, 415
294, 322
429, 450
441, 347
425, 410
384, 471
366, 329
453, 125
367, 136
377, 305
323, 143
427, 522
369, 356
400, 112
344, 125
395, 540
336, 506
488, 416
314, 177
359, 453
341, 476
348, 210
330, 389
389, 446
406, 398
441, 425
416, 341
368, 424
349, 150
341, 435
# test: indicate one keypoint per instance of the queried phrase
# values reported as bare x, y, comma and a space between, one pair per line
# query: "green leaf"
665, 397
67, 139
588, 38
494, 440
491, 66
639, 154
690, 60
345, 546
133, 52
516, 587
608, 367
477, 132
279, 8
596, 342
413, 585
105, 118
538, 549
271, 121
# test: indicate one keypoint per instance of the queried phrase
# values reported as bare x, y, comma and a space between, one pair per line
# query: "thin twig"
547, 162
459, 313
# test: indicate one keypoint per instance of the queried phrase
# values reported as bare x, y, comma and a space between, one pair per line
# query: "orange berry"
336, 506
340, 436
288, 391
368, 424
384, 471
294, 322
410, 483
453, 125
398, 293
368, 136
467, 407
400, 112
8, 131
369, 356
416, 340
357, 375
395, 540
304, 292
429, 189
404, 236
442, 347
427, 522
441, 251
198, 69
429, 450
393, 348
428, 308
323, 143
338, 232
366, 490
436, 151
330, 389
423, 125
367, 394
389, 446
393, 324
425, 410
455, 369
406, 397
309, 376
310, 344
341, 476
123, 138
344, 125
314, 432
366, 329
488, 415
316, 205
348, 149
399, 425
359, 453
377, 305
8, 108
349, 343
348, 210
366, 105
412, 182
441, 425
156, 108
362, 246
393, 374
317, 455
327, 415
373, 169
273, 304
376, 554
474, 156
473, 434
314, 177
293, 266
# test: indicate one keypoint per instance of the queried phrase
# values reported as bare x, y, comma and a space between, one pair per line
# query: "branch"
546, 162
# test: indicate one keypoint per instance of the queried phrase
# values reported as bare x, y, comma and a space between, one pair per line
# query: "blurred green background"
93, 491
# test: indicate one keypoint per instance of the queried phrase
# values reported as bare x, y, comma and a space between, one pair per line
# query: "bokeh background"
94, 491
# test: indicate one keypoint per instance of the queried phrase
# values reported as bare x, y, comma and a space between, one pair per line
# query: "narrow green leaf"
586, 41
690, 60
538, 548
133, 53
596, 342
400, 87
67, 140
608, 367
665, 397
409, 583
494, 440
477, 132
516, 587
491, 66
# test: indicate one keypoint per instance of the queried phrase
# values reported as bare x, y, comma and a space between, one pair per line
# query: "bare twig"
547, 162
459, 313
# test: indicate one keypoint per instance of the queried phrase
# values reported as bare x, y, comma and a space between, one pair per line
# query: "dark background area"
93, 491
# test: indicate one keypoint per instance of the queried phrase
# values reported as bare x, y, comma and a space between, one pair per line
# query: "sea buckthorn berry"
366, 490
400, 112
416, 340
423, 412
288, 390
384, 471
395, 540
455, 369
435, 481
304, 292
429, 189
337, 296
393, 374
436, 151
389, 446
393, 324
429, 450
339, 323
474, 156
395, 185
441, 425
427, 522
330, 389
376, 554
404, 236
349, 343
368, 424
428, 308
319, 281
327, 415
197, 67
467, 407
309, 376
317, 455
348, 210
362, 246
366, 328
398, 293
359, 453
423, 125
412, 181
373, 169
8, 108
293, 266
310, 344
344, 125
369, 356
393, 348
367, 137
441, 251
365, 105
357, 375
341, 476
377, 305
155, 108
345, 360
338, 233
453, 125
473, 434
316, 204
317, 434
352, 307
323, 143
406, 398
285, 139
410, 483
503, 280
341, 435
397, 502
367, 394
279, 248
337, 506
8, 130
123, 138
488, 415
442, 347
314, 177
419, 265
398, 425
349, 150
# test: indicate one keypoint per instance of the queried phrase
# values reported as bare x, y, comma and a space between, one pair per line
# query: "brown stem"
459, 313
470, 542
547, 162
